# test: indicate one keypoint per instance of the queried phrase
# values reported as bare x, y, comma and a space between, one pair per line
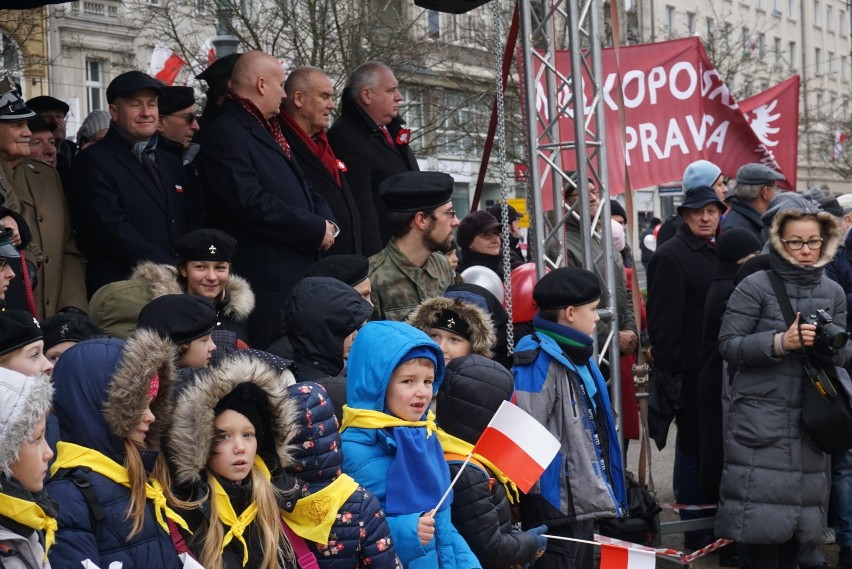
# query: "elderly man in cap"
371, 138
177, 123
42, 141
754, 190
679, 277
129, 198
305, 116
257, 192
411, 268
40, 200
54, 111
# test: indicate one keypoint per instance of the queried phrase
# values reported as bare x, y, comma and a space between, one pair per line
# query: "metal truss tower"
546, 27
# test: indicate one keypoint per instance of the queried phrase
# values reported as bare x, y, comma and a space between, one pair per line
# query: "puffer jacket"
773, 486
115, 307
472, 391
101, 392
192, 436
360, 536
482, 337
18, 551
368, 453
319, 315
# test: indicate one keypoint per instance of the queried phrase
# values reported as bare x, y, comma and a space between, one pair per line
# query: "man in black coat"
679, 277
257, 193
128, 199
304, 117
371, 140
754, 190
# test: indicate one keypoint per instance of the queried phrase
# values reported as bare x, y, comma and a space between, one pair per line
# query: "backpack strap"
77, 476
304, 556
177, 539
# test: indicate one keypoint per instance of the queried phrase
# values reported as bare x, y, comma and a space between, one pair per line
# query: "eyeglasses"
451, 213
490, 234
797, 244
188, 117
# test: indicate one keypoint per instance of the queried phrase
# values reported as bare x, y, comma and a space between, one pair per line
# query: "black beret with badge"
12, 107
68, 327
181, 317
410, 192
17, 329
206, 245
567, 286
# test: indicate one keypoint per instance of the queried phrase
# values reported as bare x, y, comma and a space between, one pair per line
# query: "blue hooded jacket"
97, 394
368, 453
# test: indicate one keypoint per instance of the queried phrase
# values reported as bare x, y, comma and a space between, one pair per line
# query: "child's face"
199, 353
141, 433
29, 360
31, 466
453, 345
410, 390
234, 447
583, 317
453, 257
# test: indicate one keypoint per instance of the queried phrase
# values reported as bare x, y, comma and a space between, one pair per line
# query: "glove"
540, 540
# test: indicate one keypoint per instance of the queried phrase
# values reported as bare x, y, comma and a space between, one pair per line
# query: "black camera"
829, 336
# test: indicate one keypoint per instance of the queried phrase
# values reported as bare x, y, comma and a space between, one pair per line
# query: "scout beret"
206, 245
566, 286
68, 327
17, 329
181, 317
410, 192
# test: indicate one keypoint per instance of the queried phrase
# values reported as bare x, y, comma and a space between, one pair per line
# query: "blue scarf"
418, 475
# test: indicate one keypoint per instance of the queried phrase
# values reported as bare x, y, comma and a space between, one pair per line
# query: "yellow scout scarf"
31, 515
455, 445
227, 515
315, 514
368, 419
69, 455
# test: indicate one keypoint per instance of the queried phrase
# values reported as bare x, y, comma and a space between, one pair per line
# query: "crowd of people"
252, 338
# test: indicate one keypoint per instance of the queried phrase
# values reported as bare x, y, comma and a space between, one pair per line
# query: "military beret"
206, 245
410, 192
68, 327
350, 269
12, 107
17, 329
758, 175
37, 123
567, 286
129, 83
220, 70
181, 317
47, 103
174, 99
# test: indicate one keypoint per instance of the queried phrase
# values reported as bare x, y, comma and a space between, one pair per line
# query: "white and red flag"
518, 445
839, 139
165, 64
616, 557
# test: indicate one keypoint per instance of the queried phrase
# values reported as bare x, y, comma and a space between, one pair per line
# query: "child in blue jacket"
390, 446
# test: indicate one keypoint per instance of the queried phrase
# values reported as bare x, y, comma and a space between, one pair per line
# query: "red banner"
774, 118
677, 108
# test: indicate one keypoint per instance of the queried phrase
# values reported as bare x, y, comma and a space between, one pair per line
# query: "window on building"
463, 125
791, 9
817, 13
412, 110
94, 85
830, 62
761, 44
776, 7
844, 68
690, 23
708, 22
670, 21
791, 53
727, 33
11, 58
846, 109
818, 110
841, 23
829, 14
776, 50
817, 60
433, 24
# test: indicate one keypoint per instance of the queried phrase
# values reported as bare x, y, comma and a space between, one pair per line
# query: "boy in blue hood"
558, 383
390, 446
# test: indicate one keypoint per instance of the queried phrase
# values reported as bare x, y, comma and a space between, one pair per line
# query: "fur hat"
23, 402
192, 432
830, 229
478, 322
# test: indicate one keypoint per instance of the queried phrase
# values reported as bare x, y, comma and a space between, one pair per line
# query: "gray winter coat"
29, 553
773, 484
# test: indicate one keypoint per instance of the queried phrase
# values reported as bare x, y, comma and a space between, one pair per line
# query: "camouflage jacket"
399, 287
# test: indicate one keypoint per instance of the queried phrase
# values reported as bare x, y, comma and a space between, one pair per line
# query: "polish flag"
615, 557
518, 445
165, 64
839, 139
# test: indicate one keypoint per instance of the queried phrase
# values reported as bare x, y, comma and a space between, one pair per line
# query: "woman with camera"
774, 486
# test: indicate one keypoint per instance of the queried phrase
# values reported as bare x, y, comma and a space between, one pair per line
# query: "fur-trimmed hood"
192, 432
165, 279
482, 337
102, 391
830, 229
23, 402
